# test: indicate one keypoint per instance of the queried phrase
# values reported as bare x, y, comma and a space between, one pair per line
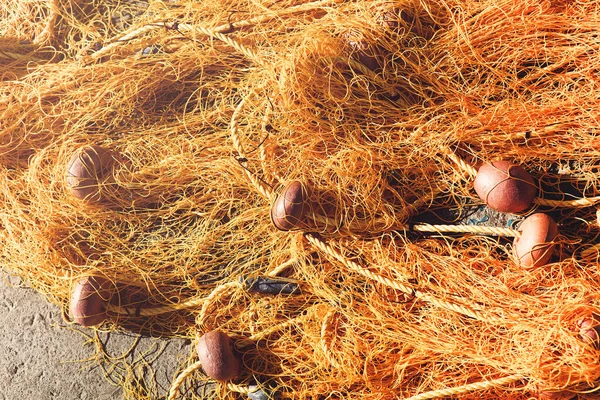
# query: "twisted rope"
352, 265
217, 30
270, 14
324, 346
413, 207
233, 127
48, 32
363, 69
575, 203
485, 230
462, 164
243, 389
174, 390
477, 386
218, 291
123, 39
238, 388
249, 53
591, 251
282, 267
182, 28
189, 304
193, 303
18, 57
263, 189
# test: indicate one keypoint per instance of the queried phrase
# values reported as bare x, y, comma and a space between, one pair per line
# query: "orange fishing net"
381, 110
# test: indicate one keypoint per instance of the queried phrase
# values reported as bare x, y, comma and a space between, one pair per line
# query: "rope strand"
461, 309
472, 387
174, 390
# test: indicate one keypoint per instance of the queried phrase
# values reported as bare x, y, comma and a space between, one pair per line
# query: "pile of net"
380, 112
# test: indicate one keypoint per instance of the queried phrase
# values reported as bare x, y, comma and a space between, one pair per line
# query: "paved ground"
42, 359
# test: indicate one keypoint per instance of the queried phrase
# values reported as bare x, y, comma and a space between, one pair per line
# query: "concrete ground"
43, 359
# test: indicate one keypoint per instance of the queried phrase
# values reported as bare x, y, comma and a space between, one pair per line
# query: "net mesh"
368, 103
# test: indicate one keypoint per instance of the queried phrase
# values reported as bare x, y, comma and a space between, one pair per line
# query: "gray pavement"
43, 359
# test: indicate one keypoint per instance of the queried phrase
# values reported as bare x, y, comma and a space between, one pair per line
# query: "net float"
216, 356
533, 248
89, 300
290, 207
366, 54
589, 329
87, 170
505, 187
389, 18
556, 395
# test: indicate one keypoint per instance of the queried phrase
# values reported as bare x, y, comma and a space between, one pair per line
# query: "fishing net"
381, 110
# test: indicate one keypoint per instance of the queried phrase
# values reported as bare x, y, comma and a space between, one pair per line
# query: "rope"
282, 267
217, 30
189, 304
48, 32
226, 39
183, 28
274, 14
123, 39
363, 69
436, 394
461, 309
237, 144
251, 340
462, 164
485, 230
192, 303
576, 203
591, 251
19, 57
174, 390
238, 388
233, 128
412, 208
218, 291
324, 346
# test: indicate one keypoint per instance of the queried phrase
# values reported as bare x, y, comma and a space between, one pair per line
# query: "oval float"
87, 171
534, 247
505, 187
290, 207
89, 299
217, 357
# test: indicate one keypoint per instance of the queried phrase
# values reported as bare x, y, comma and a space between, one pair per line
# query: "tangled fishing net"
381, 110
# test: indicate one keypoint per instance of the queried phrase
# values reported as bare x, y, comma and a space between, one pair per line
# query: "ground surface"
41, 359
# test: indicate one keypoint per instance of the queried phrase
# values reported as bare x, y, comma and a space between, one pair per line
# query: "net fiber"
384, 110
